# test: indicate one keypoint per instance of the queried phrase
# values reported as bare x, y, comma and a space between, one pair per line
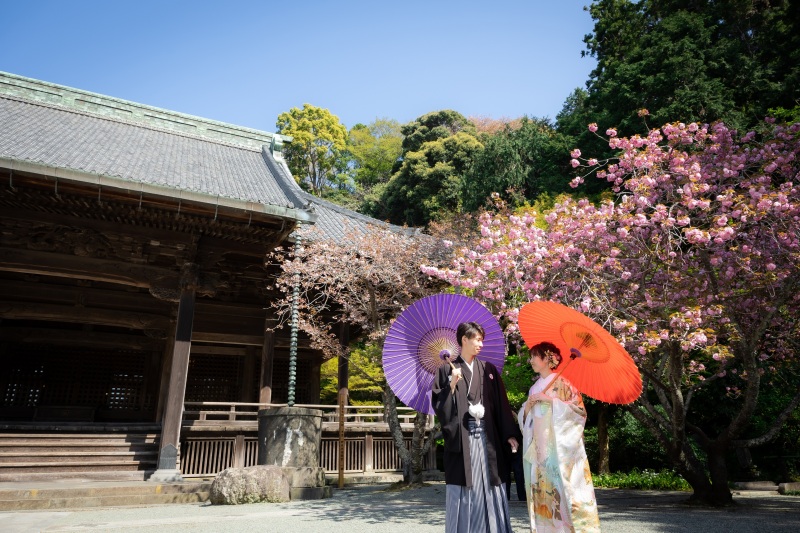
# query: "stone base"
304, 476
307, 483
166, 476
756, 485
783, 488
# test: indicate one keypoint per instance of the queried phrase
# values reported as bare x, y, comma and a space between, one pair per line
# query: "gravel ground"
421, 510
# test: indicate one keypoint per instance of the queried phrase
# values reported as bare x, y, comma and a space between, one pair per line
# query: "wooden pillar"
238, 451
173, 409
166, 365
369, 455
267, 356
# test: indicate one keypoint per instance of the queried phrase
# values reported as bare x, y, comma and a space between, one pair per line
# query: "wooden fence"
219, 435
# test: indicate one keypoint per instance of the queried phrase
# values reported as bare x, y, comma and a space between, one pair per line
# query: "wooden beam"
81, 315
145, 234
91, 296
246, 340
89, 339
227, 338
218, 350
70, 266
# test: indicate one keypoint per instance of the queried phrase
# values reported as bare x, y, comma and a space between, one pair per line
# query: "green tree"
375, 149
519, 164
428, 184
434, 126
438, 150
316, 154
366, 383
690, 60
574, 116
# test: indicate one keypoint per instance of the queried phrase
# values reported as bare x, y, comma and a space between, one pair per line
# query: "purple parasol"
411, 352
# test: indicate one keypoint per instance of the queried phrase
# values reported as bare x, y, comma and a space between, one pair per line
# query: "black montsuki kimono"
453, 415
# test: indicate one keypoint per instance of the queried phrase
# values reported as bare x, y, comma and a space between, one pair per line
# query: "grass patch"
792, 493
641, 480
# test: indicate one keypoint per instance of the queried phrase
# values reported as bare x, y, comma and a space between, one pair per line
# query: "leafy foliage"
315, 155
695, 266
366, 381
519, 164
438, 150
695, 61
375, 149
429, 182
518, 377
641, 480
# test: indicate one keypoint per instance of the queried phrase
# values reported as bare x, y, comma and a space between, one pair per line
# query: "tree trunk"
417, 447
602, 440
413, 459
719, 494
390, 414
701, 486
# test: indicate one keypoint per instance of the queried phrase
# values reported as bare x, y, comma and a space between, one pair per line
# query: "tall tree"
518, 164
374, 149
692, 60
316, 154
695, 266
365, 280
433, 127
438, 150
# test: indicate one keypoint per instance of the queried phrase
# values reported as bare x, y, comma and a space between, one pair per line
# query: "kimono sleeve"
444, 405
569, 415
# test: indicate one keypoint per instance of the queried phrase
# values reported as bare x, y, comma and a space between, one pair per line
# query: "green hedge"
642, 480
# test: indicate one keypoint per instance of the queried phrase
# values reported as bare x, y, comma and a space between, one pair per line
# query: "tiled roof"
86, 134
338, 223
59, 138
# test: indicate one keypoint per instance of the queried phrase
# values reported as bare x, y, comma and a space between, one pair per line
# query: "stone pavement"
375, 509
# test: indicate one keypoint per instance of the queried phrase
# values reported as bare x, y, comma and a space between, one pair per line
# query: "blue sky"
245, 62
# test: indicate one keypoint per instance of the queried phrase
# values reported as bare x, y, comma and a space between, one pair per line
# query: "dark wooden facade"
125, 294
90, 289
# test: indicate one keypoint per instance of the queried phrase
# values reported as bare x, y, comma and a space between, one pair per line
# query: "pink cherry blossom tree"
694, 265
365, 280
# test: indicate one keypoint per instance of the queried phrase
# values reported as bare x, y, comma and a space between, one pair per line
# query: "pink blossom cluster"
699, 249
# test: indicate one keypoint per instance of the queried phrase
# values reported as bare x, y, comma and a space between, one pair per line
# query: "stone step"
756, 485
102, 496
76, 437
39, 448
80, 475
65, 456
67, 466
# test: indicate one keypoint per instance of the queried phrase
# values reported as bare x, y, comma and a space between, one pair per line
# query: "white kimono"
557, 477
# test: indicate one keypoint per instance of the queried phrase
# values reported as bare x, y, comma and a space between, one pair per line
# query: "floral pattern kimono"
557, 477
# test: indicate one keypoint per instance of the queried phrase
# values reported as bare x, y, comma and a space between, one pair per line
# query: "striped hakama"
484, 507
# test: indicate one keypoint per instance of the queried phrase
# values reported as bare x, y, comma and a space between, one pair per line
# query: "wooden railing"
207, 456
233, 441
237, 413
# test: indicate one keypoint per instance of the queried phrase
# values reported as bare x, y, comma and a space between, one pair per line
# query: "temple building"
133, 283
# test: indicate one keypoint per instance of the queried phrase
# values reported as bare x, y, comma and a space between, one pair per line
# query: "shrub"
641, 480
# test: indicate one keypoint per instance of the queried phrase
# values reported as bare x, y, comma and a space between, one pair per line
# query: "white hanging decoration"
476, 410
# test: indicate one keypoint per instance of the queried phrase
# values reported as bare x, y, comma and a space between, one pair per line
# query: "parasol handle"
445, 355
573, 353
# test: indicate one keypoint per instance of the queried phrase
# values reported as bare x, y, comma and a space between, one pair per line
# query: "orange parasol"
592, 359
